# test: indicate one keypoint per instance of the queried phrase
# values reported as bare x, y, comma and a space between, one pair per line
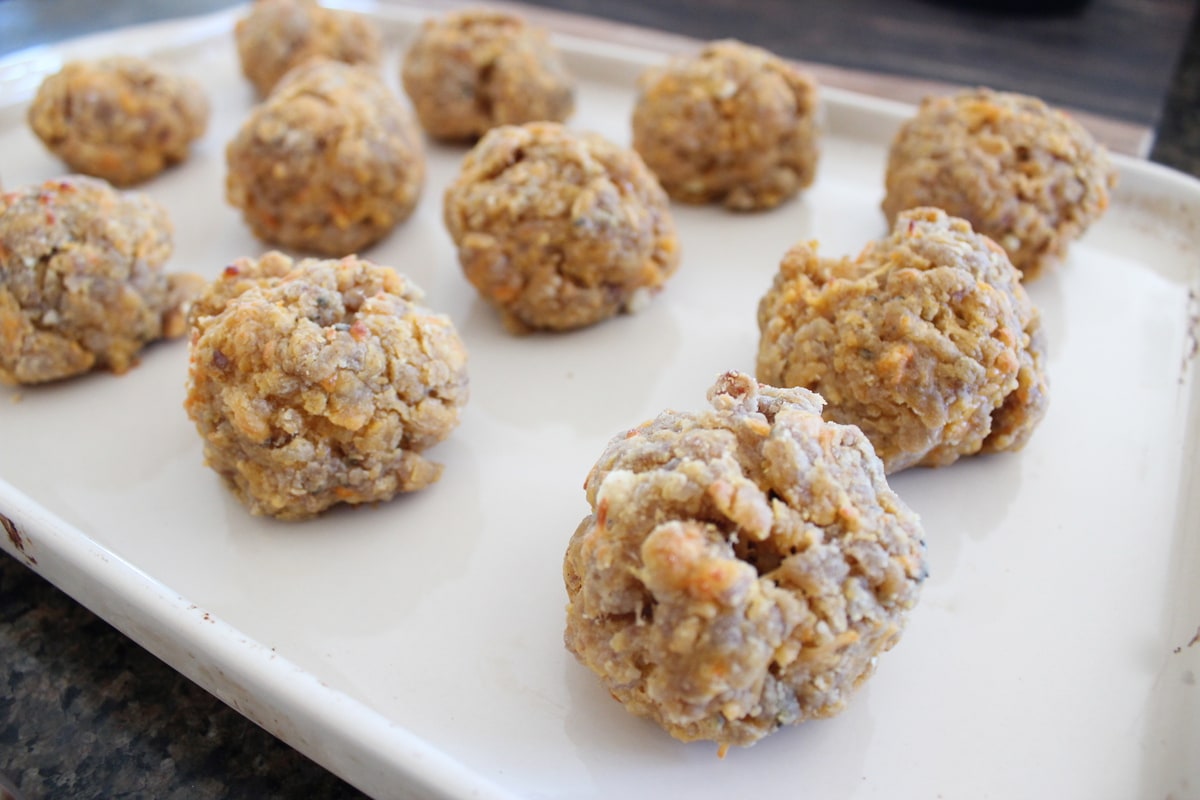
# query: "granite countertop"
1177, 135
86, 713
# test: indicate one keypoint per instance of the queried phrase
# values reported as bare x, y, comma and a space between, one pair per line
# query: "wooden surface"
86, 713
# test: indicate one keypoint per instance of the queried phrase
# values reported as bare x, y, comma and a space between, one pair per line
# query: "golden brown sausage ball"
119, 118
278, 35
471, 70
321, 382
329, 164
557, 229
1024, 174
82, 285
733, 124
927, 341
742, 567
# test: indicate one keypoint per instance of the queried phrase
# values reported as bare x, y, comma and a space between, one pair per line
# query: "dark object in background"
1041, 8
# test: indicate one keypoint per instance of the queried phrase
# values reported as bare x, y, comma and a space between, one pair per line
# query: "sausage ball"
742, 567
557, 229
278, 35
329, 164
733, 124
927, 341
1024, 174
471, 70
321, 382
119, 118
82, 285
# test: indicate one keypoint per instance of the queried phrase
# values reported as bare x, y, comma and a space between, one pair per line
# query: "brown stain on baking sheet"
1193, 641
14, 536
1192, 343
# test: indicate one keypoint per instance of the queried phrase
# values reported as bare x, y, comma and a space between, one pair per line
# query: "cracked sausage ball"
119, 118
82, 285
1024, 174
278, 35
742, 566
557, 229
321, 382
733, 124
471, 70
328, 164
927, 341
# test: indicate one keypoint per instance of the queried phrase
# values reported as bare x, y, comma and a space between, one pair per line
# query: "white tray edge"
343, 735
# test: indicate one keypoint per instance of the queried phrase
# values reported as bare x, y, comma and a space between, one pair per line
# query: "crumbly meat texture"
328, 164
321, 382
733, 124
278, 35
559, 230
742, 567
1026, 175
82, 285
471, 70
927, 341
119, 118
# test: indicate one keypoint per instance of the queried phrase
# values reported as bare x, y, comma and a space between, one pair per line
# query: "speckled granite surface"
85, 713
1177, 143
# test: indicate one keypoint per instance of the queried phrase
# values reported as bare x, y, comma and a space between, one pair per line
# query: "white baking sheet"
415, 648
